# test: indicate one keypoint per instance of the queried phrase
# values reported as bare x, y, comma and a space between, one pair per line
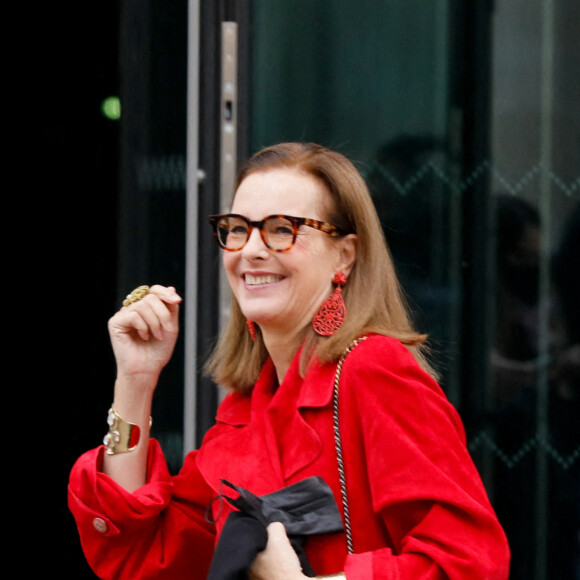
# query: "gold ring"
136, 295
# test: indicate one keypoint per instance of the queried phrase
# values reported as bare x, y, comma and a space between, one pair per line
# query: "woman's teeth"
264, 279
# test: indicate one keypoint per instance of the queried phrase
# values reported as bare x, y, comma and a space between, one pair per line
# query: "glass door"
462, 116
531, 430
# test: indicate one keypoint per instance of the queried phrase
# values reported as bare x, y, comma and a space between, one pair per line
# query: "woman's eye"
281, 228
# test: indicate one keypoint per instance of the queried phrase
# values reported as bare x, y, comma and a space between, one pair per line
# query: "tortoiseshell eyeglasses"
278, 232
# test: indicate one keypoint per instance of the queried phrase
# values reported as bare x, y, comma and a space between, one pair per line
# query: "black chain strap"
338, 444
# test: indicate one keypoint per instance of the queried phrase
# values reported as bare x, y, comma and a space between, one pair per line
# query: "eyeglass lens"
277, 232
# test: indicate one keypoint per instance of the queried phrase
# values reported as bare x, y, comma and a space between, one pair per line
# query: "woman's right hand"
143, 334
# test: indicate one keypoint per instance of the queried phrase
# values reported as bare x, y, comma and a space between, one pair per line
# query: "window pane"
532, 434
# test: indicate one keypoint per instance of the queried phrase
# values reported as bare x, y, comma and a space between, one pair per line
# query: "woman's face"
283, 291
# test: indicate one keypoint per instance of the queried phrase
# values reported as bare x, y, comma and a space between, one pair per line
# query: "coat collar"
290, 443
317, 386
313, 391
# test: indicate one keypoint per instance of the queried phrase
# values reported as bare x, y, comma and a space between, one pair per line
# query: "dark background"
71, 153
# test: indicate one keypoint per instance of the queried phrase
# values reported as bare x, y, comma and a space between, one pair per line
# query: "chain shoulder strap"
338, 445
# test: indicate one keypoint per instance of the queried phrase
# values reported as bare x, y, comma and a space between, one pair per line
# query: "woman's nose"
255, 246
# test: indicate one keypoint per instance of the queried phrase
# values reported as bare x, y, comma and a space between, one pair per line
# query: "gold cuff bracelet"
122, 436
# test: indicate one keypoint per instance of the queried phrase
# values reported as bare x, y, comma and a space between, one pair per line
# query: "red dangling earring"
332, 313
252, 329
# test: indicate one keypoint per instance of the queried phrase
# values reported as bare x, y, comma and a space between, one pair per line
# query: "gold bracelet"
122, 436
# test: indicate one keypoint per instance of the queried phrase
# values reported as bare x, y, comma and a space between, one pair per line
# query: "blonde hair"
373, 296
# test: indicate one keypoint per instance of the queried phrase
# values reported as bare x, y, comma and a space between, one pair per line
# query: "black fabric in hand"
305, 508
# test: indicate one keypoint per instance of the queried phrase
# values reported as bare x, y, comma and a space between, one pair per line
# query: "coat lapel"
262, 440
298, 443
240, 447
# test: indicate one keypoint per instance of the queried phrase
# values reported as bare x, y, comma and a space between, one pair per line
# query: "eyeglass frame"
296, 222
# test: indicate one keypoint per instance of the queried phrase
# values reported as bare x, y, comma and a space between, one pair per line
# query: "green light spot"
111, 108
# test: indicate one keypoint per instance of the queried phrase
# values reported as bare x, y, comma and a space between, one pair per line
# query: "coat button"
100, 525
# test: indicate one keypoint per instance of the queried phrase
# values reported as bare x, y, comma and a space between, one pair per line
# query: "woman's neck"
282, 349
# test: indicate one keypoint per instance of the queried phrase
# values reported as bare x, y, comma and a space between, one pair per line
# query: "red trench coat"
417, 504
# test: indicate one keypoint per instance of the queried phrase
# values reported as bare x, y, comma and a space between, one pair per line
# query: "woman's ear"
347, 253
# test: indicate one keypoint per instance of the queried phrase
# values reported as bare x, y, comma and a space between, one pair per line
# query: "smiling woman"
419, 509
332, 190
299, 280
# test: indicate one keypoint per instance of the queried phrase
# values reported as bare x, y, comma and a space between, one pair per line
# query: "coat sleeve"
423, 485
159, 531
